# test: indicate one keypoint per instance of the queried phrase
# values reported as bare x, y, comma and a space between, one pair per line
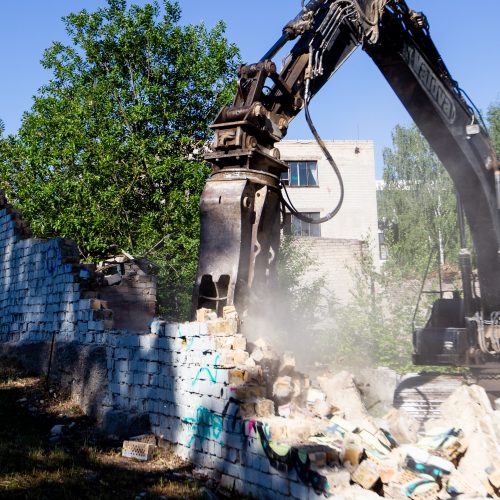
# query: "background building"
335, 246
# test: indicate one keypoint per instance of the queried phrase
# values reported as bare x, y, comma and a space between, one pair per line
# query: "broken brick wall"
46, 293
132, 296
193, 385
42, 286
45, 289
183, 382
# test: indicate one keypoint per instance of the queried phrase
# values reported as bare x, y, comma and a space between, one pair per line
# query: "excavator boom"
241, 201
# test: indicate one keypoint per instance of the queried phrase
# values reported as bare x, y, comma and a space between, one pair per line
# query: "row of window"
305, 173
301, 173
298, 227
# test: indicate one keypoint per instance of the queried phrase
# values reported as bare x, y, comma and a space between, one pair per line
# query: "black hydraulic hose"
475, 108
288, 204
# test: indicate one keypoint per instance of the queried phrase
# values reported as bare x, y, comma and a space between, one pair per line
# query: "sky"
356, 104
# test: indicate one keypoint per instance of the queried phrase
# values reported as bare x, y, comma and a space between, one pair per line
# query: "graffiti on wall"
285, 458
210, 371
205, 425
53, 256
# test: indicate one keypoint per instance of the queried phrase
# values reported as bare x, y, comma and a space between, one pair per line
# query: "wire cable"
288, 204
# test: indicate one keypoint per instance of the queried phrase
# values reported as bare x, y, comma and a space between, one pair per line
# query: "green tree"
417, 204
373, 328
494, 126
108, 155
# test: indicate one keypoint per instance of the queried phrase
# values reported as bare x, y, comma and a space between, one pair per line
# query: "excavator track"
421, 395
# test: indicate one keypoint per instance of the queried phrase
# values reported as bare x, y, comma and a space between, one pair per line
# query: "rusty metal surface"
239, 241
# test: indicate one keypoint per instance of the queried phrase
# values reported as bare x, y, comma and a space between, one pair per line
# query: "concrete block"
232, 455
299, 490
123, 377
221, 327
148, 342
280, 484
231, 469
240, 342
137, 450
366, 474
114, 387
227, 482
121, 365
188, 329
233, 440
221, 343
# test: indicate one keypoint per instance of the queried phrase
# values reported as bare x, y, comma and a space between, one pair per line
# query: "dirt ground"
78, 462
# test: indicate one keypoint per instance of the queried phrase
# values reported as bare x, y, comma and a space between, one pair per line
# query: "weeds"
82, 463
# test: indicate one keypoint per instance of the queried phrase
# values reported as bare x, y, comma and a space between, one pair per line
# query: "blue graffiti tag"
53, 257
206, 425
212, 376
188, 345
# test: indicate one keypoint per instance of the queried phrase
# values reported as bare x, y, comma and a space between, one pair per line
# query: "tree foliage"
105, 155
374, 327
494, 126
417, 205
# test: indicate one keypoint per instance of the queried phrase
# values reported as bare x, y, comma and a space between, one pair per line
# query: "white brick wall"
179, 377
341, 239
40, 288
334, 260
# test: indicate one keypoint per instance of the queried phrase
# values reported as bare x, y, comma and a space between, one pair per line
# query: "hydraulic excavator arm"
240, 206
240, 220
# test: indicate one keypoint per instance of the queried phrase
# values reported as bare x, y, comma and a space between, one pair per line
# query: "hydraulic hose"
288, 204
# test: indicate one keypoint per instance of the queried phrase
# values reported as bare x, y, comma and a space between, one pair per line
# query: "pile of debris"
358, 456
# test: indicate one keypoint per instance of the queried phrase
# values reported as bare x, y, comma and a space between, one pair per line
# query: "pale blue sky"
356, 103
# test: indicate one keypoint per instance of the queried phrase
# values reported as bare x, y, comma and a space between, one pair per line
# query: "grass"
82, 463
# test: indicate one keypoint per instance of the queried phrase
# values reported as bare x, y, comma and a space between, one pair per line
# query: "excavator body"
240, 206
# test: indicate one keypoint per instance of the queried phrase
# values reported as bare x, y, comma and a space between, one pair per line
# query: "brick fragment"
264, 408
353, 451
222, 327
366, 474
247, 392
283, 387
205, 314
287, 363
229, 312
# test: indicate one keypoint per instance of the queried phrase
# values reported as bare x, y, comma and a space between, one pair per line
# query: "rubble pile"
351, 455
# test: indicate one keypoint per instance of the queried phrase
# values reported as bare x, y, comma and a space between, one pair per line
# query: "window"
301, 228
301, 173
383, 254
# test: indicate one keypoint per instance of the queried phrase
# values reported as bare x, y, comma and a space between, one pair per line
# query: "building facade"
313, 188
